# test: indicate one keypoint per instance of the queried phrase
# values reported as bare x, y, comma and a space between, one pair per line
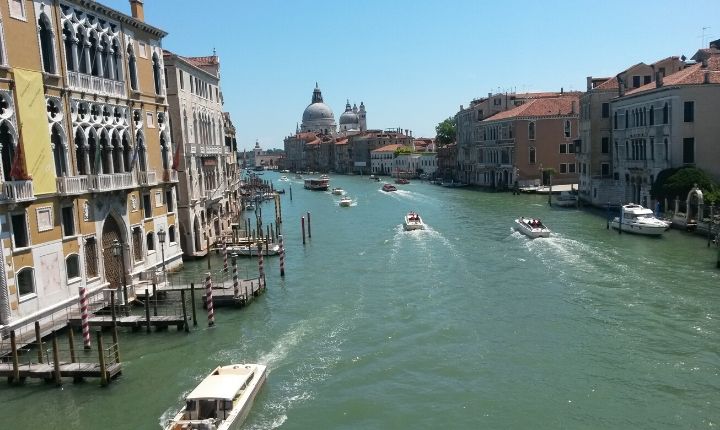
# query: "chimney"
589, 83
621, 86
562, 90
572, 107
489, 95
706, 77
658, 79
136, 8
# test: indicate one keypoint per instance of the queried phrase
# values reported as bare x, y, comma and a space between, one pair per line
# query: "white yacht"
531, 227
637, 219
222, 400
413, 222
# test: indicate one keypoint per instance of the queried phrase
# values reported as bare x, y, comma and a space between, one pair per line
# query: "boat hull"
345, 203
531, 232
641, 229
252, 251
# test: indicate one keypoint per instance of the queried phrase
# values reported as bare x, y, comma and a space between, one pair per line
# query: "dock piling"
309, 230
71, 344
236, 288
261, 269
56, 360
112, 308
15, 361
192, 303
38, 339
101, 358
302, 226
147, 310
186, 326
154, 299
282, 256
85, 316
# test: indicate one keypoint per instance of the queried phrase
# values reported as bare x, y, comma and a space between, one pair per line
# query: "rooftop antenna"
703, 36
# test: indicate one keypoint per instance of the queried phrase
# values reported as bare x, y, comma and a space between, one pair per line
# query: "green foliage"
403, 150
445, 132
677, 182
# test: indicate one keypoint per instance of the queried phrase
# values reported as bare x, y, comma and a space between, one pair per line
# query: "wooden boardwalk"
225, 296
76, 371
136, 322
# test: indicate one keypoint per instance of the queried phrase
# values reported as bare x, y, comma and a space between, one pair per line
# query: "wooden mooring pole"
56, 360
302, 226
209, 300
101, 357
15, 361
192, 303
38, 339
186, 326
147, 310
309, 230
71, 344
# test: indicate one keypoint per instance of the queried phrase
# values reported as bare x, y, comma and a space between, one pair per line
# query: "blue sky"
414, 63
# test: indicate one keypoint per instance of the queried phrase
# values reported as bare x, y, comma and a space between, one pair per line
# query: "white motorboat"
337, 191
222, 400
565, 199
532, 227
637, 219
413, 222
345, 201
283, 178
251, 250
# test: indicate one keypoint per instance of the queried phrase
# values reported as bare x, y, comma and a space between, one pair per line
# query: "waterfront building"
232, 165
197, 118
263, 159
363, 144
382, 159
597, 181
668, 123
86, 155
447, 163
413, 164
522, 144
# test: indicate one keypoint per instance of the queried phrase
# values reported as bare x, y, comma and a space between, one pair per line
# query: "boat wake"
425, 238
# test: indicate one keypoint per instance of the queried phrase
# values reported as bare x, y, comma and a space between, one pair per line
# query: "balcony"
148, 178
111, 182
17, 191
214, 195
170, 175
71, 185
96, 85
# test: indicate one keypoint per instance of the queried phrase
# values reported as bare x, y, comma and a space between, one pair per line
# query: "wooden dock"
225, 295
136, 322
77, 371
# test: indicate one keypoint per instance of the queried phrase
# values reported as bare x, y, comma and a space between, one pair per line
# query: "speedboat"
345, 201
402, 181
565, 199
284, 178
389, 187
413, 222
637, 219
532, 227
222, 400
337, 191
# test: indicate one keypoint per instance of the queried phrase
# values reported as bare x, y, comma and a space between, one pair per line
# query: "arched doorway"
113, 266
196, 235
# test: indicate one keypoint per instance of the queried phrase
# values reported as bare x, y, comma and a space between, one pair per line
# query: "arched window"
46, 44
156, 74
7, 150
568, 129
58, 149
615, 120
132, 68
117, 61
25, 279
80, 152
94, 63
104, 57
667, 148
532, 155
72, 267
195, 129
83, 55
91, 262
164, 151
627, 119
171, 234
150, 241
666, 113
652, 115
127, 153
70, 47
185, 126
141, 153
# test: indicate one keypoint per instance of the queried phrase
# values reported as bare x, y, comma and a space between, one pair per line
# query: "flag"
176, 157
18, 170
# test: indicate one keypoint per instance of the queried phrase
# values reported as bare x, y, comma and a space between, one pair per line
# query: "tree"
678, 182
445, 132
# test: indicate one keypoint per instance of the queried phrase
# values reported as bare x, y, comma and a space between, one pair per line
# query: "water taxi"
389, 187
532, 227
222, 400
314, 184
413, 222
283, 178
637, 219
345, 201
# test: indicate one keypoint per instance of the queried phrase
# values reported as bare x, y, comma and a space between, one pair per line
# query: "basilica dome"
318, 117
316, 111
349, 117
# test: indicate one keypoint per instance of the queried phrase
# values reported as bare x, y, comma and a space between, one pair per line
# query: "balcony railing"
69, 185
17, 191
170, 175
147, 178
111, 182
94, 84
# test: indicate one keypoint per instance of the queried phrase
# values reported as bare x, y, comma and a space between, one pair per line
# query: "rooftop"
564, 105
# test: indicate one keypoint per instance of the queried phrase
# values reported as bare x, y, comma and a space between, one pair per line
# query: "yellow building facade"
86, 154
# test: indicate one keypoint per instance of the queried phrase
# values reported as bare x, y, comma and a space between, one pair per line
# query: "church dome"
317, 111
349, 117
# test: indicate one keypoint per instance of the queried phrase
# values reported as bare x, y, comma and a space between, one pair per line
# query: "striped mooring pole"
236, 287
209, 300
261, 269
225, 264
85, 317
282, 256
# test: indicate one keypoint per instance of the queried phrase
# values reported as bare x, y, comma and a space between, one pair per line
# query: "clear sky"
414, 63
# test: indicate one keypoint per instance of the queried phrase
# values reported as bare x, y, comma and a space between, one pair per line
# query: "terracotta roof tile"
691, 75
210, 60
542, 107
388, 148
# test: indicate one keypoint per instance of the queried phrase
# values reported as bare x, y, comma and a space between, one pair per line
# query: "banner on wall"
33, 125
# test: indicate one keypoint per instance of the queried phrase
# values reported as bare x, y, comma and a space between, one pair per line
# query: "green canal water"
464, 325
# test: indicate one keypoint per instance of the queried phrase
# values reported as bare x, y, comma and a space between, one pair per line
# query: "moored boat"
413, 221
531, 227
389, 187
222, 400
314, 184
345, 201
251, 249
637, 219
565, 199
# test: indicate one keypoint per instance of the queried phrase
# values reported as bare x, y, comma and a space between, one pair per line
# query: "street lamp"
118, 252
161, 238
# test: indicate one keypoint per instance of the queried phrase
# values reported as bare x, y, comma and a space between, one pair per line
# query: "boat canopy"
221, 387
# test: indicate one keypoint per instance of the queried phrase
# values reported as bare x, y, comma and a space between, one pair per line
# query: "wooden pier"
136, 322
225, 295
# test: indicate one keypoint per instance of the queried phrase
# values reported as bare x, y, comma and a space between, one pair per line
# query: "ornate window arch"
47, 43
58, 144
132, 67
531, 130
157, 73
72, 267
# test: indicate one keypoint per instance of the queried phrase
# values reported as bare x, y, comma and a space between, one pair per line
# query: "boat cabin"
216, 395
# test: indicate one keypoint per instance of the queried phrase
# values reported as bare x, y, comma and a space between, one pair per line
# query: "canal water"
465, 325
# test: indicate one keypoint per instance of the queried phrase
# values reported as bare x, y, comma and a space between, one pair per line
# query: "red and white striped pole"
261, 269
282, 255
236, 287
85, 317
209, 300
225, 264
